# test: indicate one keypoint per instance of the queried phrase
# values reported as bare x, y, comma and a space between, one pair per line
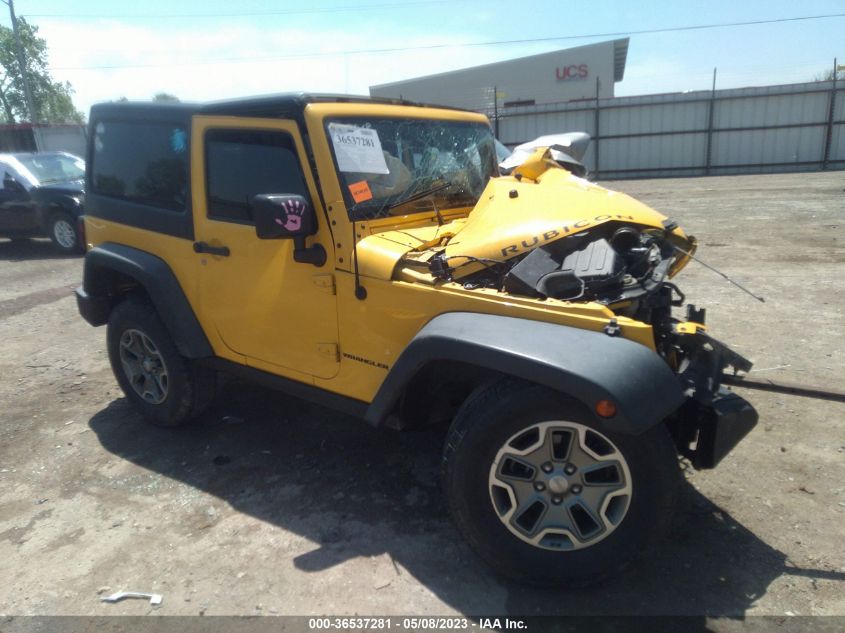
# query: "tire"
169, 390
63, 232
570, 547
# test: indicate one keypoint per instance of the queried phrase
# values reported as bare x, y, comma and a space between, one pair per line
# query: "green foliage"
165, 97
160, 97
52, 99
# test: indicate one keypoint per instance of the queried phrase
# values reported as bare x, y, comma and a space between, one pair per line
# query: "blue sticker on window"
178, 140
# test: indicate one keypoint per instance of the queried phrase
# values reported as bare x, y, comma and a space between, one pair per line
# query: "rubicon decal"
553, 234
579, 71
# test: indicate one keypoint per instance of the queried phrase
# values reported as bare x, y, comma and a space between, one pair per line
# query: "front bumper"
705, 433
714, 419
95, 310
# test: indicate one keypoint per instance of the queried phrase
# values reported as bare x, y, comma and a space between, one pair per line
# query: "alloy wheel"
144, 366
64, 233
560, 485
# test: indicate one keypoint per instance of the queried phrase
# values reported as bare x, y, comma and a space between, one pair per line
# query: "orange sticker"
360, 191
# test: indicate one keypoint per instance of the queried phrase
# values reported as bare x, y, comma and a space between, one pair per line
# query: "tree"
165, 97
51, 99
160, 97
828, 76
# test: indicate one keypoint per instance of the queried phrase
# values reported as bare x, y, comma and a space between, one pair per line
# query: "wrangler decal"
366, 361
548, 236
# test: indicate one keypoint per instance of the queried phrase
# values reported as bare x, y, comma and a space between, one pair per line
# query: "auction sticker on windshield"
358, 149
360, 191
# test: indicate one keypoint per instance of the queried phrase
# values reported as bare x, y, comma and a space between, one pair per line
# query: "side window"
141, 162
12, 182
243, 163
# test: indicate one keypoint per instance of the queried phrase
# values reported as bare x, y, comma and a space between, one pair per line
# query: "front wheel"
547, 493
62, 230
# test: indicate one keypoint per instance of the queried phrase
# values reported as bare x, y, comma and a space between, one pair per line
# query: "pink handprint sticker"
294, 210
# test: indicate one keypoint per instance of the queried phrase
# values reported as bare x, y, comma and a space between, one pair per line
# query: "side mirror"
280, 216
12, 186
285, 216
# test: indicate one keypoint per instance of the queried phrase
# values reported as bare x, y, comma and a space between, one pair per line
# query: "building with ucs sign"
564, 75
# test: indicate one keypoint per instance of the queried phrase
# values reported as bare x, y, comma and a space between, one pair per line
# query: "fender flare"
589, 366
156, 277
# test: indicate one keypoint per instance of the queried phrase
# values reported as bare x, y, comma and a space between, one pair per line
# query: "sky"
213, 49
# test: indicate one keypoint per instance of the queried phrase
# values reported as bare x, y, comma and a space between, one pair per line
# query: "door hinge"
329, 350
325, 283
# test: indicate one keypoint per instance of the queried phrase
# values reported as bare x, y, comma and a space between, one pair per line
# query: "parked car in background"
42, 195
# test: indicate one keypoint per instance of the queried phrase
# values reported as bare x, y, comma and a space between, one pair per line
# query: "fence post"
596, 145
496, 109
709, 143
830, 110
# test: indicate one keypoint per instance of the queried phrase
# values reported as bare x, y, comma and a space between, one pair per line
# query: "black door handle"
204, 247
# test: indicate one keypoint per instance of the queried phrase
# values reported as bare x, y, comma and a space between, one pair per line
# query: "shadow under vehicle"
348, 508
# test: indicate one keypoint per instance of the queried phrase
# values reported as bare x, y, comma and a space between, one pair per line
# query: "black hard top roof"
271, 106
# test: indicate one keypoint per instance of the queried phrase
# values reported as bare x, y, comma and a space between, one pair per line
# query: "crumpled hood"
512, 217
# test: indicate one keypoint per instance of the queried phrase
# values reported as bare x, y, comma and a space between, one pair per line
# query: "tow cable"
787, 388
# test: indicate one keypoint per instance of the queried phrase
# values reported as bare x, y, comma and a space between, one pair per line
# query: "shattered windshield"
390, 166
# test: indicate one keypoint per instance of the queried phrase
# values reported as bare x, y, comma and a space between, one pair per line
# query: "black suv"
42, 195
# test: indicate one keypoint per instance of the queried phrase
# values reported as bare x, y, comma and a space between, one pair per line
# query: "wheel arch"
48, 208
585, 365
112, 271
453, 382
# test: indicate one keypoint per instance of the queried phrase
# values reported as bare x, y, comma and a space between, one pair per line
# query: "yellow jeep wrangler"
367, 255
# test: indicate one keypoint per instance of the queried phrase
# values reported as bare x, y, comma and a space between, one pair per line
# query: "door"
17, 210
281, 315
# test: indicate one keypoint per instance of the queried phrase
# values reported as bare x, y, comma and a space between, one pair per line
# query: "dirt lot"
285, 507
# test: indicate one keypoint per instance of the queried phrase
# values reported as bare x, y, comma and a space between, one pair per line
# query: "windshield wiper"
418, 196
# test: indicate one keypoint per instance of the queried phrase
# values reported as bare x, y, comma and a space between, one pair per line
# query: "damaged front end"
714, 419
546, 234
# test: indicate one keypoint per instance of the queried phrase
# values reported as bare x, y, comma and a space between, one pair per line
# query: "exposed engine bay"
614, 264
625, 267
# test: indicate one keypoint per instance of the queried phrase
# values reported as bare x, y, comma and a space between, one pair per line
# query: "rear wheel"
62, 230
166, 388
548, 494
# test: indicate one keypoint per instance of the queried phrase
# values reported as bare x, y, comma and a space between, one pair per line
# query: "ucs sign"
579, 71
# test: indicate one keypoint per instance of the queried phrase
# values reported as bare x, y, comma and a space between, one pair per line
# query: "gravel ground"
275, 506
